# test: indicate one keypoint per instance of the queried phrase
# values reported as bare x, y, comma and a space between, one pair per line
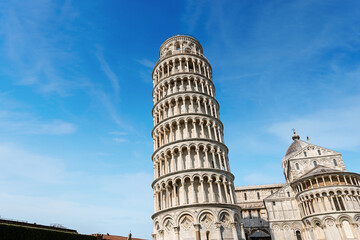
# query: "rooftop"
295, 146
264, 186
113, 237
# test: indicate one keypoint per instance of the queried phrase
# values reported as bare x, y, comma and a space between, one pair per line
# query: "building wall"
304, 208
310, 157
253, 212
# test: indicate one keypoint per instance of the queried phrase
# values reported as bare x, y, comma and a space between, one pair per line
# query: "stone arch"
195, 175
177, 178
318, 229
316, 221
166, 219
342, 217
287, 230
169, 182
156, 225
175, 149
357, 218
347, 229
276, 227
185, 220
225, 217
187, 176
206, 219
193, 145
257, 230
183, 146
213, 176
204, 175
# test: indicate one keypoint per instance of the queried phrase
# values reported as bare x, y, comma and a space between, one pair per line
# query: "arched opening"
207, 235
177, 46
335, 162
186, 226
168, 228
298, 235
260, 234
319, 232
347, 230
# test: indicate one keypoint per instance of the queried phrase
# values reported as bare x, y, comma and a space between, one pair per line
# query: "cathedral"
194, 193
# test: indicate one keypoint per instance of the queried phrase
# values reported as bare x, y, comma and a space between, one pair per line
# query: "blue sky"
75, 97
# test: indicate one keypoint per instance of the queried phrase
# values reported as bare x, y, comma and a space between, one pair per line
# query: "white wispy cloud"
46, 190
22, 165
119, 140
25, 123
118, 133
47, 60
146, 63
107, 101
192, 13
108, 72
35, 56
336, 128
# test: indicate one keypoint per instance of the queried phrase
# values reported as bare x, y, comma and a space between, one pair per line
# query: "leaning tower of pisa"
194, 195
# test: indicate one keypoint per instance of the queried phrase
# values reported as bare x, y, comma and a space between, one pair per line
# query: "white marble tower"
193, 187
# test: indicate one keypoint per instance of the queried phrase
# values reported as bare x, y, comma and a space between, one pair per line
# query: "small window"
274, 203
336, 204
341, 204
297, 166
250, 216
315, 163
335, 162
305, 155
319, 152
245, 197
258, 195
272, 191
288, 193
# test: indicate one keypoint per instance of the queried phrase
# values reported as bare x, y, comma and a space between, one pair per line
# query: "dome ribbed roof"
297, 145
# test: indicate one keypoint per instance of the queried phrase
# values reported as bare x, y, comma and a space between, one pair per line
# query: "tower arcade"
194, 195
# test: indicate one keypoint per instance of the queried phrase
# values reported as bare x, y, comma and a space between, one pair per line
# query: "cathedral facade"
194, 193
319, 201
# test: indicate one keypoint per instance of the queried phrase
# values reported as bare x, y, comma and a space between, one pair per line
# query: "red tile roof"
112, 237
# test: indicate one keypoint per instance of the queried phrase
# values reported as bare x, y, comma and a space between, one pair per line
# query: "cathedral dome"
295, 146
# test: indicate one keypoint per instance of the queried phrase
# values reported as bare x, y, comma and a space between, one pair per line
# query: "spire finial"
295, 136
